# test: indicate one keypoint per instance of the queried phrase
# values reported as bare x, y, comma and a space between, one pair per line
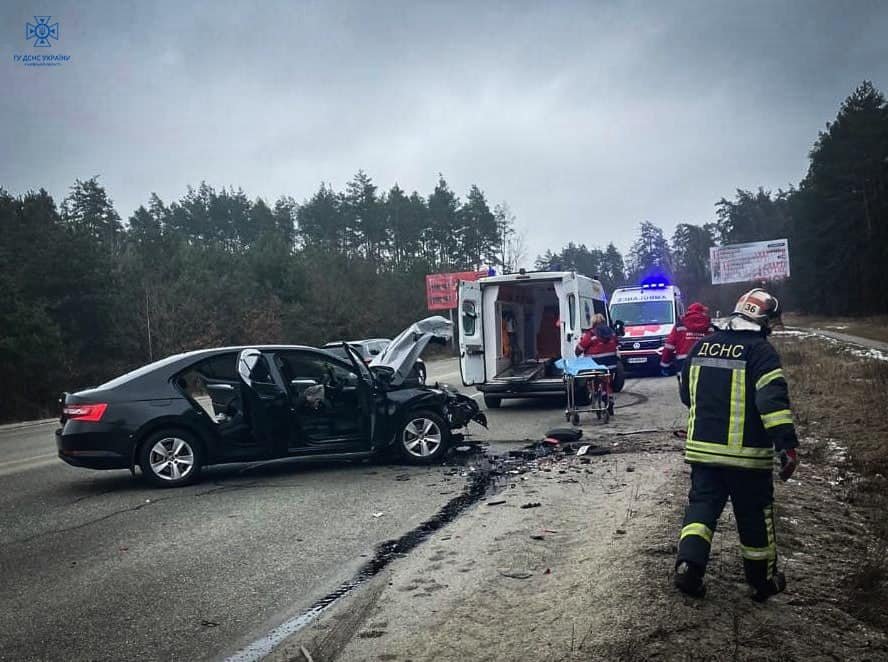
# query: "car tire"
492, 402
171, 458
423, 438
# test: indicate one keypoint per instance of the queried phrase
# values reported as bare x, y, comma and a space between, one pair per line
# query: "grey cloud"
586, 117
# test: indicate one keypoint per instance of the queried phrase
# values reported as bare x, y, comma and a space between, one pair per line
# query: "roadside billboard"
441, 291
743, 263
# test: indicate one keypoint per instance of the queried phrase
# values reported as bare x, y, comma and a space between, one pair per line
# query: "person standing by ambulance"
739, 419
694, 326
601, 344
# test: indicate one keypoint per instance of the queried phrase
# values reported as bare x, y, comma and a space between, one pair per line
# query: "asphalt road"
97, 566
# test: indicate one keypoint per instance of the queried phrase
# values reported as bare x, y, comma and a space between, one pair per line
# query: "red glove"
788, 463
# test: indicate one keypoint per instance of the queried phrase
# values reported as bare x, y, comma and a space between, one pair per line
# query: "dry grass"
875, 327
837, 397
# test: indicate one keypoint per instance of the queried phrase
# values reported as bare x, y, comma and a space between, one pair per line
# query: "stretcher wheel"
607, 416
575, 419
598, 415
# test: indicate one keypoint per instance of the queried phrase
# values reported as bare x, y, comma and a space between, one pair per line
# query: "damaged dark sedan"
234, 404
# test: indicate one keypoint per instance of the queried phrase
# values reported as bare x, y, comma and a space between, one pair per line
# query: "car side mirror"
620, 328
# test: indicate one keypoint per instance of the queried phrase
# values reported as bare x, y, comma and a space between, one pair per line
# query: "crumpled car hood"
401, 353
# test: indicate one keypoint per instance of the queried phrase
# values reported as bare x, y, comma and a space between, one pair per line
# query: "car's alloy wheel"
422, 437
171, 459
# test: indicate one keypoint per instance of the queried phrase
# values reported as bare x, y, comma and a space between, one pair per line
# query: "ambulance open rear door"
471, 334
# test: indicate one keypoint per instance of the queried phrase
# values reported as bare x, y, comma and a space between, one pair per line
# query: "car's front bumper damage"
461, 410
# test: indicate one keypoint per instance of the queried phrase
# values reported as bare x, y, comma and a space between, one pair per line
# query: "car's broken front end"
461, 409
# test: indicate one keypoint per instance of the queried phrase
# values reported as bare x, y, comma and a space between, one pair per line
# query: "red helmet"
758, 306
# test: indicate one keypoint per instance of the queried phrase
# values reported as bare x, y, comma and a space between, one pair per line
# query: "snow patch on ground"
858, 351
874, 354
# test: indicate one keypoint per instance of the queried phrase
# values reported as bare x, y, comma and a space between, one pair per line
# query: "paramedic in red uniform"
600, 344
694, 326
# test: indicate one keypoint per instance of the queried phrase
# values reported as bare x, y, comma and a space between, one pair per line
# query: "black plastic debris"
532, 504
565, 434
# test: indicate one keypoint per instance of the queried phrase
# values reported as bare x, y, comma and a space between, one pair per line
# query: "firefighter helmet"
758, 306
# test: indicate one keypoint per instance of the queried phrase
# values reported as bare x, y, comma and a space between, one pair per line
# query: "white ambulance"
513, 328
648, 312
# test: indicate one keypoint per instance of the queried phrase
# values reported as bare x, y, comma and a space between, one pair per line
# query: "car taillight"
91, 413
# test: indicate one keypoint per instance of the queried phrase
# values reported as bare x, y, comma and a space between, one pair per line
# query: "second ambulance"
648, 312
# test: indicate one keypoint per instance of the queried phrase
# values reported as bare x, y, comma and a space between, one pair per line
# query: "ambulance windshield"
637, 313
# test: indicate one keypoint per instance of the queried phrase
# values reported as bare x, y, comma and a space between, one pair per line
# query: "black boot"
688, 579
776, 585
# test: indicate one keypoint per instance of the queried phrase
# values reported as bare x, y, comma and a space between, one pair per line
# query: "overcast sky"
586, 117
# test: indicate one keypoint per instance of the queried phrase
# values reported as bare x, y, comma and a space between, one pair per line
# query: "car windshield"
636, 313
337, 350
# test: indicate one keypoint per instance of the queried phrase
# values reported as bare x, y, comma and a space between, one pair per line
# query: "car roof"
176, 362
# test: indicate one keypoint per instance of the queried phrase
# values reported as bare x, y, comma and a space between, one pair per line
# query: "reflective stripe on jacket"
738, 398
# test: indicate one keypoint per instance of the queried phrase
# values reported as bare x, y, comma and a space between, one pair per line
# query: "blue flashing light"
655, 282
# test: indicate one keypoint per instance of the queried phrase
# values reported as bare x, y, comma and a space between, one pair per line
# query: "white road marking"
25, 463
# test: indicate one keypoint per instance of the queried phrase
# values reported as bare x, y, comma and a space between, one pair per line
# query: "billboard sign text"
744, 263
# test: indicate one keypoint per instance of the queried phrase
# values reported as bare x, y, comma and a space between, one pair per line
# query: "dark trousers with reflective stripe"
752, 496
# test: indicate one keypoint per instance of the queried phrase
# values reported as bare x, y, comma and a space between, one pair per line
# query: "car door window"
212, 383
325, 394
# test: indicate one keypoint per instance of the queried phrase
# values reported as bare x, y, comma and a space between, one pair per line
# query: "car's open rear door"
471, 334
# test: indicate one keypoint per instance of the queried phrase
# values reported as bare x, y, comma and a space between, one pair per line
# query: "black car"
234, 404
369, 349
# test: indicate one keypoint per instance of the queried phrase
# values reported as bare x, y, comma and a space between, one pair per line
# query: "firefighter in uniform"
739, 418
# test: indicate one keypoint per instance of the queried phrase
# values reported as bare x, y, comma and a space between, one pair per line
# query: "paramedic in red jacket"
695, 325
599, 343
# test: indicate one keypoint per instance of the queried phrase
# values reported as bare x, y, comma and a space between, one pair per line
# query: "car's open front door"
471, 334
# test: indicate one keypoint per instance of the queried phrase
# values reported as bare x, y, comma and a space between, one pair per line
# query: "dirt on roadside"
586, 574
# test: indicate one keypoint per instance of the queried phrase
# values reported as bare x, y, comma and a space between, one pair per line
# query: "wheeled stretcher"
586, 381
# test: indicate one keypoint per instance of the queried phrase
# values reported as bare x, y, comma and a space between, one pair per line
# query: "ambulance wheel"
492, 402
619, 377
